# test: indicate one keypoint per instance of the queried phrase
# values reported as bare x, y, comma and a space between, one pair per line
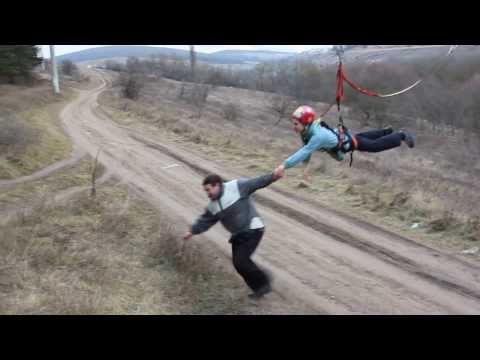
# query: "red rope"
358, 88
340, 93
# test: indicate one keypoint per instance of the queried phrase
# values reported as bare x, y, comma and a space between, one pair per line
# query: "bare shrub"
231, 112
68, 67
115, 220
400, 199
113, 65
131, 86
134, 65
185, 256
443, 223
200, 93
95, 168
14, 134
181, 91
471, 229
197, 138
198, 96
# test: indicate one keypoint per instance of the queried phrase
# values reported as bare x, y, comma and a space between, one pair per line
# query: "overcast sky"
65, 49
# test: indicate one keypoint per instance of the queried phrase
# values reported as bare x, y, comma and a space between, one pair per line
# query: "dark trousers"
243, 247
378, 140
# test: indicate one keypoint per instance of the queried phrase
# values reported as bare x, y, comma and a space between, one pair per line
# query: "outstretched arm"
203, 223
304, 153
248, 186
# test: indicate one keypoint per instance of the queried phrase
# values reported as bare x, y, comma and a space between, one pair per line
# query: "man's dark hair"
212, 179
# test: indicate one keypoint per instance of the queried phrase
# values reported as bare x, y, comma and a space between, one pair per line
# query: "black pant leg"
381, 144
374, 134
243, 247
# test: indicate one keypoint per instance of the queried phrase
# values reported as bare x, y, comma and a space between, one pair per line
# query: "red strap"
354, 142
339, 95
340, 77
358, 88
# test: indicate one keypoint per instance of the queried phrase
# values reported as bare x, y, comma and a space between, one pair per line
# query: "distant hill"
388, 53
239, 56
108, 52
220, 57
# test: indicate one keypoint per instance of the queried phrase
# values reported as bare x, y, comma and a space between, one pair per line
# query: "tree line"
446, 97
17, 63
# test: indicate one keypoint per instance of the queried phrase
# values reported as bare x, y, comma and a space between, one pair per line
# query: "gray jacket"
234, 208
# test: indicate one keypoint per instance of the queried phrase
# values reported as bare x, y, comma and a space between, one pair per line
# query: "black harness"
346, 141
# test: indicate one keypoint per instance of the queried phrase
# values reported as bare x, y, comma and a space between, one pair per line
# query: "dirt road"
322, 262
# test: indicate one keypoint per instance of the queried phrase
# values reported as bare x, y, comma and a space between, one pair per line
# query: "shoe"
408, 138
264, 290
269, 275
388, 129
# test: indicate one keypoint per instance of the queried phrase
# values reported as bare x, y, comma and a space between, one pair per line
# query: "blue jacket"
315, 138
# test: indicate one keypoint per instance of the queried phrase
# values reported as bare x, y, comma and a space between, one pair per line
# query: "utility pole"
40, 53
56, 88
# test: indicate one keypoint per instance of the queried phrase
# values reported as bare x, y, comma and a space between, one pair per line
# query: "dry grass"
112, 254
39, 140
34, 191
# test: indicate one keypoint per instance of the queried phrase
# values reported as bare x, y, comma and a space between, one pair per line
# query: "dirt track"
76, 156
323, 263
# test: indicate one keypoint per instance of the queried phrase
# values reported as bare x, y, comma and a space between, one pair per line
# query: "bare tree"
193, 62
281, 105
177, 68
93, 190
113, 65
181, 92
68, 68
339, 49
134, 65
231, 112
198, 96
131, 86
260, 74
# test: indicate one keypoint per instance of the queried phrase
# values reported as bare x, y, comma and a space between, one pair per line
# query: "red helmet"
304, 115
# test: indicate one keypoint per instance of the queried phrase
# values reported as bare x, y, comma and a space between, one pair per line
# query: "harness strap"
352, 140
342, 130
355, 147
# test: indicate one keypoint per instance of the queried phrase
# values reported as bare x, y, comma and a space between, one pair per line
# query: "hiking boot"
388, 129
408, 138
261, 292
269, 275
